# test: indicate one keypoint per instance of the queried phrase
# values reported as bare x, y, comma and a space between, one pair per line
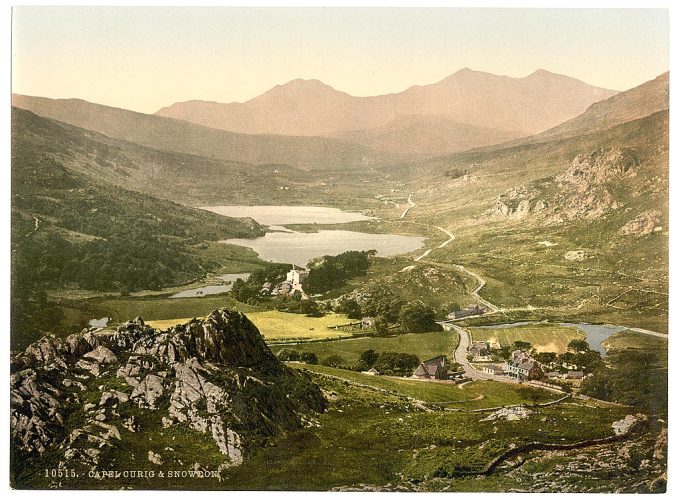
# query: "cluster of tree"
295, 304
580, 355
632, 377
416, 316
385, 308
389, 363
289, 355
334, 271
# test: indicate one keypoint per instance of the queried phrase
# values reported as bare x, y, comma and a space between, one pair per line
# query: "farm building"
371, 372
435, 368
468, 311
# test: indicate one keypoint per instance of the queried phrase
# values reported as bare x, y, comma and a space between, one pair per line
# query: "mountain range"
309, 124
311, 108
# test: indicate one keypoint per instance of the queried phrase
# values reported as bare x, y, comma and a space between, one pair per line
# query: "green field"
474, 395
149, 308
543, 337
635, 340
280, 326
423, 345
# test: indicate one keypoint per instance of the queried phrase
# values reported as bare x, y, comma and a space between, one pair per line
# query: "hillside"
72, 229
308, 107
638, 102
570, 228
427, 135
179, 136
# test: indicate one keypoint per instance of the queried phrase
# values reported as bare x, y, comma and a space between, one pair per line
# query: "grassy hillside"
71, 229
594, 248
184, 137
194, 179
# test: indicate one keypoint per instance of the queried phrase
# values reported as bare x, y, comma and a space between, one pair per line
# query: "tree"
578, 345
309, 358
521, 345
310, 308
399, 364
416, 316
350, 308
381, 326
369, 357
288, 355
546, 357
333, 361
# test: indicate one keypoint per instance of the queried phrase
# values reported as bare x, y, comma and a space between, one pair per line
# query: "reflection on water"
287, 246
228, 278
300, 248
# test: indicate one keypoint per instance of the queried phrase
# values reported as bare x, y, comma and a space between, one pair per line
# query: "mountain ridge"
329, 112
182, 136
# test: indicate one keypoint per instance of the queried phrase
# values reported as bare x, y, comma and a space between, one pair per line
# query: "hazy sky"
146, 58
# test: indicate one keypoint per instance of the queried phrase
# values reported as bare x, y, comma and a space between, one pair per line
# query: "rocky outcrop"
643, 224
582, 192
84, 397
520, 202
600, 166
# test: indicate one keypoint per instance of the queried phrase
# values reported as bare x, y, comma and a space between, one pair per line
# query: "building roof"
527, 365
429, 367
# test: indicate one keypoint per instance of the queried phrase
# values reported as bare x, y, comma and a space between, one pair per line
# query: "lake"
299, 248
207, 290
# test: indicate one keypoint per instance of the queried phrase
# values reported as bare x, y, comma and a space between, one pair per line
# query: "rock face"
643, 224
582, 192
520, 202
86, 396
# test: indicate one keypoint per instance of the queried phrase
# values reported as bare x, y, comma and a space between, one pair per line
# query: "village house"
296, 278
371, 372
434, 368
573, 375
494, 370
367, 323
293, 283
522, 366
480, 352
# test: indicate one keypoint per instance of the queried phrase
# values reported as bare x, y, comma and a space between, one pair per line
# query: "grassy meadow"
543, 337
424, 345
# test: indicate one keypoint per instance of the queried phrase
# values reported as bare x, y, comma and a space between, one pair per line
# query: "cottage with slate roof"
435, 368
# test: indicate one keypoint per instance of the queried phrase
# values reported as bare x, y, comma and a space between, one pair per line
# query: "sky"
144, 58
